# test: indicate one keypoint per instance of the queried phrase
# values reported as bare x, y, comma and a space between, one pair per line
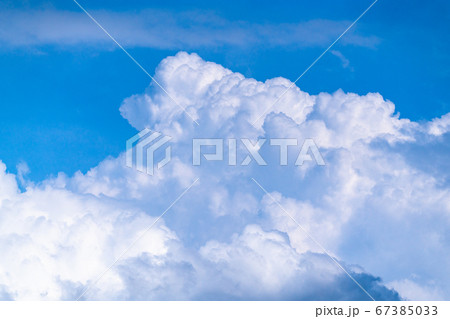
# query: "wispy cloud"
165, 30
345, 62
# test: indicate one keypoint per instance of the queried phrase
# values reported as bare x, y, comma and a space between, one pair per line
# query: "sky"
376, 105
53, 59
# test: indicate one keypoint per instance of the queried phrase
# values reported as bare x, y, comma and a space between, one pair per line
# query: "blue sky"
376, 105
63, 98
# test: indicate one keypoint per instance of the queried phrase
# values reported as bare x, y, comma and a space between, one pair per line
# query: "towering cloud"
383, 216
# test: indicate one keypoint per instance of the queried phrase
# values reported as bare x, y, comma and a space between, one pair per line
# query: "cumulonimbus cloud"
383, 217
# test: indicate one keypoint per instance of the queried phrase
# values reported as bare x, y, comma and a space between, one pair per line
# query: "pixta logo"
143, 151
142, 148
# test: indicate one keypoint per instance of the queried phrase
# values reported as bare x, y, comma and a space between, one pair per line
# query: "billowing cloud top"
375, 205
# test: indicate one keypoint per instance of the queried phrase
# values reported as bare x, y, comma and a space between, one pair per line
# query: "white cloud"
51, 235
162, 29
412, 291
439, 126
345, 62
226, 239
